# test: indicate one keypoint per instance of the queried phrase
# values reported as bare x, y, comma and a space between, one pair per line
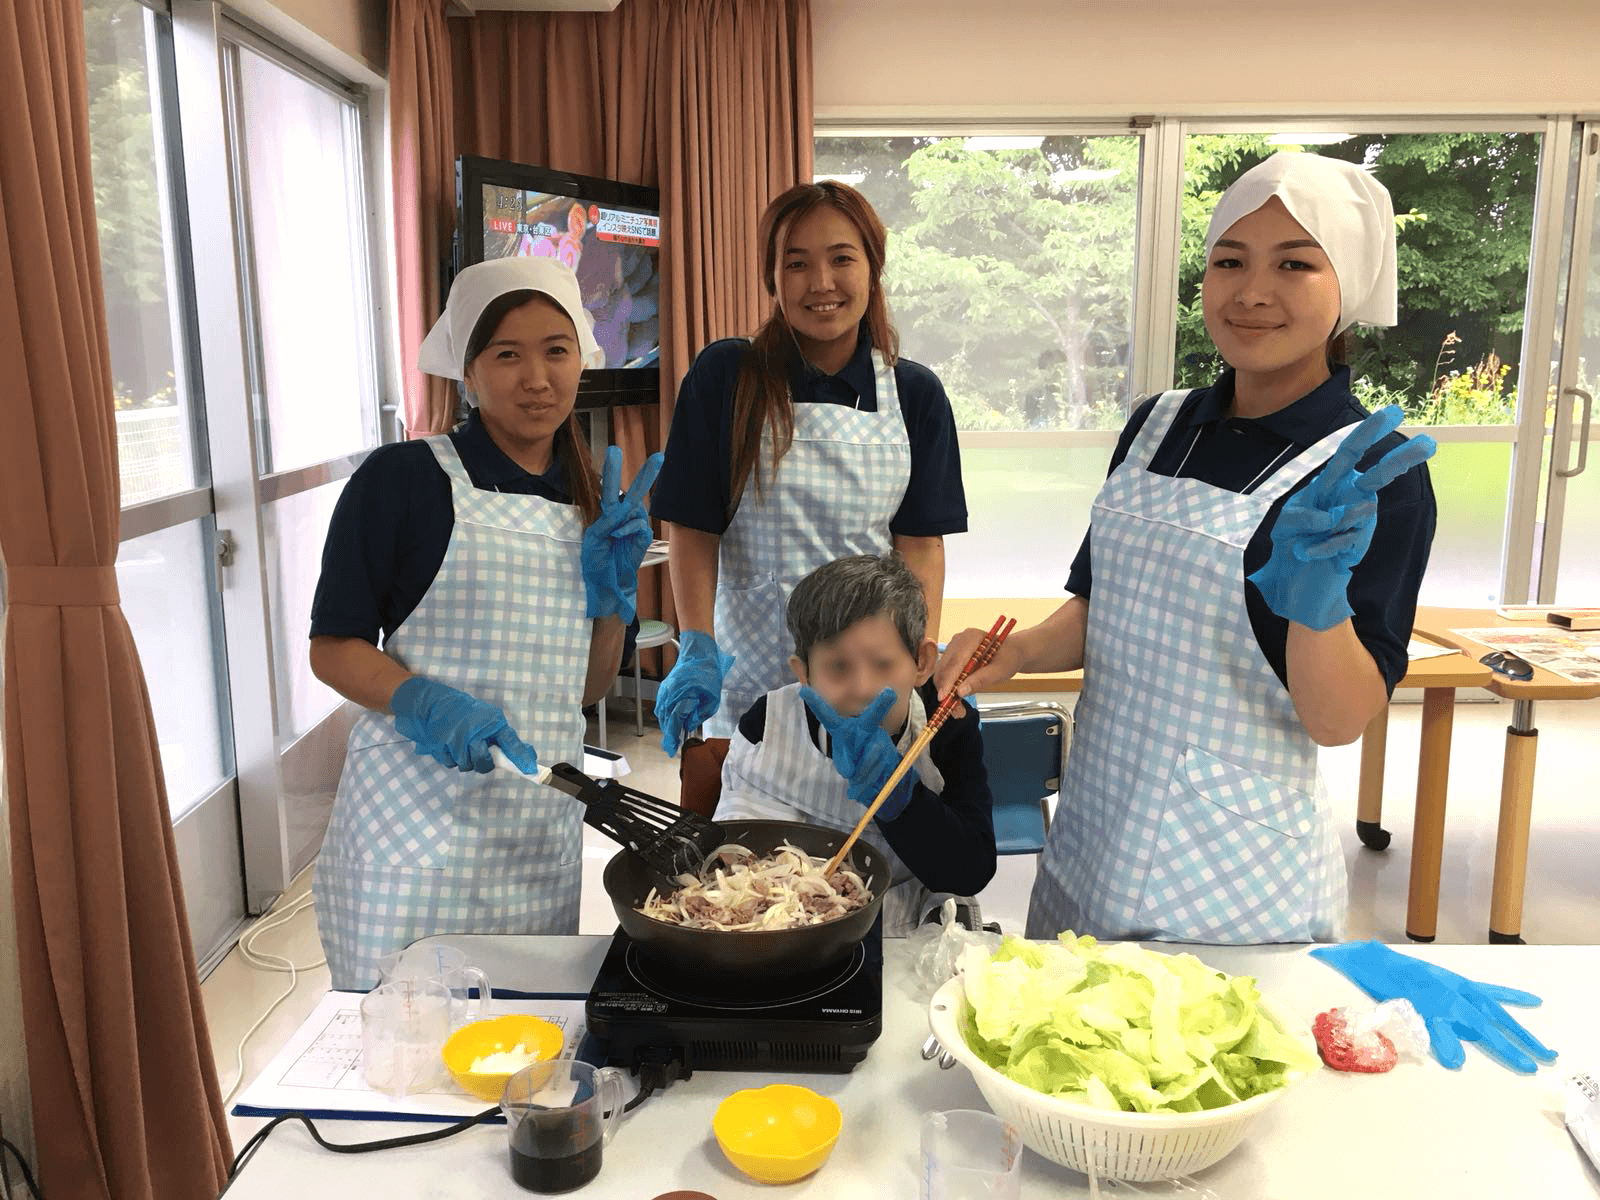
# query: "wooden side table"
1522, 743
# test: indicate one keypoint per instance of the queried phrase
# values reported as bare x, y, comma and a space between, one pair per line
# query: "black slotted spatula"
672, 841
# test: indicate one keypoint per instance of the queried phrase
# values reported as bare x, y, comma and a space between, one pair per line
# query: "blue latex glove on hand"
614, 546
1455, 1008
863, 752
455, 729
692, 691
1324, 529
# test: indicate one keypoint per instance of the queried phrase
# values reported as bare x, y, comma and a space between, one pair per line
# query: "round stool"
652, 633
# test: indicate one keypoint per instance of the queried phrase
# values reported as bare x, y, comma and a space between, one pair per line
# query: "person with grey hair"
819, 750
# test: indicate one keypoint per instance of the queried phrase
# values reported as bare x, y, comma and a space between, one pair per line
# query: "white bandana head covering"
1344, 208
445, 347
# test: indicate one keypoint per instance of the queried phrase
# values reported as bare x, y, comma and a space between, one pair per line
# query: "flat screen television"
608, 232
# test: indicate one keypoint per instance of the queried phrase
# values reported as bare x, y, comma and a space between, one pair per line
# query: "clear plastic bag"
936, 949
1397, 1020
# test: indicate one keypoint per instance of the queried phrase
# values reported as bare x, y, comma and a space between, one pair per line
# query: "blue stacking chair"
1025, 754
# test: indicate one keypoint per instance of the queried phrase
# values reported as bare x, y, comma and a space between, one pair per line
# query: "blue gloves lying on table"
1454, 1008
614, 546
456, 729
1324, 529
692, 691
863, 752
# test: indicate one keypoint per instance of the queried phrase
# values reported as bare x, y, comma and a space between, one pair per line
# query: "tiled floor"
1563, 894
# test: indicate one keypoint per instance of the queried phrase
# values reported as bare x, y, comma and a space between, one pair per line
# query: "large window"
139, 252
233, 203
303, 185
164, 563
301, 180
1011, 273
1026, 271
1010, 268
1464, 205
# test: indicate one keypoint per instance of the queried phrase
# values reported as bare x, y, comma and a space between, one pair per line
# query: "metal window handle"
224, 548
1583, 434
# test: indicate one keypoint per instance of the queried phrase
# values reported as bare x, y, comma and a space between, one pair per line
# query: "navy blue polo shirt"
696, 479
1231, 452
392, 526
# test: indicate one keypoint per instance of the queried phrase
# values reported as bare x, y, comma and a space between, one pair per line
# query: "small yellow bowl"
494, 1034
779, 1133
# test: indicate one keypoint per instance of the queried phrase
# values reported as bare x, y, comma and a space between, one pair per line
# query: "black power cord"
27, 1173
654, 1076
656, 1069
394, 1143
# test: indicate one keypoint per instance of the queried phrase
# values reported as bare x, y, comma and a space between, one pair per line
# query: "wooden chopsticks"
987, 648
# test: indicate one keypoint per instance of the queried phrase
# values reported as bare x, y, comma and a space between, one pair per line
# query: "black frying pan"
710, 954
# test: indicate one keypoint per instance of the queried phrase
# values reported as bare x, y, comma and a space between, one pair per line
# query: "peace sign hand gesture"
1325, 528
614, 546
862, 751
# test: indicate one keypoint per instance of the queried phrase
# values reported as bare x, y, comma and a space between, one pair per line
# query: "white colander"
1130, 1146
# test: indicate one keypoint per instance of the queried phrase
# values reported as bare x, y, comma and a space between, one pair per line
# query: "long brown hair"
761, 399
583, 481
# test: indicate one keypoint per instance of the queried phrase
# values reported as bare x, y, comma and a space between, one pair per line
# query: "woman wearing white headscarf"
1248, 595
499, 571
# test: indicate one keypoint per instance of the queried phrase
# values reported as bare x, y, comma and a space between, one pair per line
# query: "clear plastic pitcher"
560, 1115
968, 1154
403, 1027
449, 966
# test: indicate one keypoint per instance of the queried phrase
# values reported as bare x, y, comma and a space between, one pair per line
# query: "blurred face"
850, 671
823, 283
526, 379
1270, 297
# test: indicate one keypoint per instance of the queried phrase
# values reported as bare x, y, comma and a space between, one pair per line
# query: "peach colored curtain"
421, 139
125, 1096
708, 100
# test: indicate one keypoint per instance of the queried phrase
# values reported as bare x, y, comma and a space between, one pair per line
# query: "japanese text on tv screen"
613, 251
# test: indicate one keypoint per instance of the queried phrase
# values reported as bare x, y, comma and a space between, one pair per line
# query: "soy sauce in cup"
555, 1152
559, 1117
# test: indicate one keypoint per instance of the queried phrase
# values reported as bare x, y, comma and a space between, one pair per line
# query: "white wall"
1087, 58
349, 36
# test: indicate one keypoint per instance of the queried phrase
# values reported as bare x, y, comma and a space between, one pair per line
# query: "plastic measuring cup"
403, 1026
559, 1117
448, 965
970, 1155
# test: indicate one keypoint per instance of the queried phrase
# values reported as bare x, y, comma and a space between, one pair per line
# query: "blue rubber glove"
1324, 529
863, 752
1455, 1008
692, 691
455, 729
614, 546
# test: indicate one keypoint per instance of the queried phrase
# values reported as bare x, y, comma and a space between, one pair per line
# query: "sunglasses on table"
1503, 662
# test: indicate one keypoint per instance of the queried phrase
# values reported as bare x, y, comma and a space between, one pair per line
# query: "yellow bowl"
491, 1035
779, 1133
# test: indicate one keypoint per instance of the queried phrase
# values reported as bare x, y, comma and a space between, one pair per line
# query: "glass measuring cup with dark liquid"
559, 1116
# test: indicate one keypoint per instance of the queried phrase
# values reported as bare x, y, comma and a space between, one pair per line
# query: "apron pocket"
1233, 861
752, 621
1244, 793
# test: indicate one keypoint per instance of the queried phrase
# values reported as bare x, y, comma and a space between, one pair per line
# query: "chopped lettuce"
1121, 1027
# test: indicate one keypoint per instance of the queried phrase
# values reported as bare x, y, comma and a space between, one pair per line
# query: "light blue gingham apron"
415, 848
1192, 808
786, 777
835, 493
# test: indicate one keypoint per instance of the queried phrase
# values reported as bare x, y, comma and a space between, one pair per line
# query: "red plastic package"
1347, 1049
